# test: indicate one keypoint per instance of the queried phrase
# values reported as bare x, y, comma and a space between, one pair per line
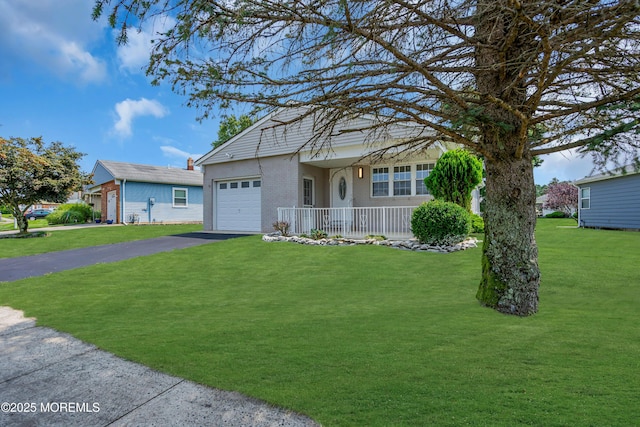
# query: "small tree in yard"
454, 177
562, 196
31, 171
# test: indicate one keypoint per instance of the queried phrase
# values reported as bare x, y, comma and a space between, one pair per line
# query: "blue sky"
65, 79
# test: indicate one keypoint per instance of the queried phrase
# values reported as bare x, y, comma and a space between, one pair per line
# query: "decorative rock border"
409, 245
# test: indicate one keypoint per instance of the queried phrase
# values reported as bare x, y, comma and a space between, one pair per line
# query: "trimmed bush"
556, 214
71, 213
454, 177
477, 224
440, 223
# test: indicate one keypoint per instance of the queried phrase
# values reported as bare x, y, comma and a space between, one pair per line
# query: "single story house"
540, 202
264, 175
610, 200
145, 194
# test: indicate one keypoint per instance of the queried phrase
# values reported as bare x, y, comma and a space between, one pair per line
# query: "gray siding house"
262, 175
145, 194
610, 201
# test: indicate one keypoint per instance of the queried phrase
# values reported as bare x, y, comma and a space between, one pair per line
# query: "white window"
422, 171
308, 198
585, 198
380, 182
406, 180
180, 197
402, 180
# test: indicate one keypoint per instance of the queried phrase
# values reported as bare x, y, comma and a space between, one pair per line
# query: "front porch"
393, 222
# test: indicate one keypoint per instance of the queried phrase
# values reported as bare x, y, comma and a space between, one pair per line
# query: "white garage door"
238, 205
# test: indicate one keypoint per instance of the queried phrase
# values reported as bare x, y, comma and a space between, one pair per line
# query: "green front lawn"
371, 335
8, 225
59, 240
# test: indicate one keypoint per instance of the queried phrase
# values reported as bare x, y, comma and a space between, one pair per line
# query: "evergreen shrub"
440, 223
477, 224
556, 214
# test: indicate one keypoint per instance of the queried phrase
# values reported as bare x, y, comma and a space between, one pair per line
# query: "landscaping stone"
410, 244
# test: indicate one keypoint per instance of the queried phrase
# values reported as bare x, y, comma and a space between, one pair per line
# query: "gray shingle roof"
615, 173
149, 173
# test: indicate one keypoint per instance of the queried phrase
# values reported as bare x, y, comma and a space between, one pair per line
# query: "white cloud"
134, 56
54, 35
129, 109
566, 166
177, 155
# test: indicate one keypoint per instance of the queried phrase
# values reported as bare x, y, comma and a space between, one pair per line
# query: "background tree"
541, 189
562, 196
31, 172
230, 126
479, 73
454, 177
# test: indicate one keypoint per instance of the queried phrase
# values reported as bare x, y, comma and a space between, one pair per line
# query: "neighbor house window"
585, 198
422, 171
180, 197
402, 180
380, 182
406, 180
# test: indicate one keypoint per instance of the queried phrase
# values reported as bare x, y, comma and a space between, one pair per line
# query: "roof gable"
616, 173
266, 138
106, 170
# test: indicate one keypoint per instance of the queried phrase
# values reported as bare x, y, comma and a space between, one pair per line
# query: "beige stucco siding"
279, 185
321, 181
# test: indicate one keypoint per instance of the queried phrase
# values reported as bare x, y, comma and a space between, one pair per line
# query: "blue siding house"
610, 201
145, 194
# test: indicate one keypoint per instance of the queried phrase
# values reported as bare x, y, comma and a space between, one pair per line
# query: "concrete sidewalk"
50, 378
37, 265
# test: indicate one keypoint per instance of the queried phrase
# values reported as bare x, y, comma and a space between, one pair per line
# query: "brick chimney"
189, 164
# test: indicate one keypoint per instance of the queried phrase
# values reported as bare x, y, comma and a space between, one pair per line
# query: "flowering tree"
477, 73
562, 196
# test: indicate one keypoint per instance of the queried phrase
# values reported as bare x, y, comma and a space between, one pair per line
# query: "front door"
112, 205
342, 197
341, 188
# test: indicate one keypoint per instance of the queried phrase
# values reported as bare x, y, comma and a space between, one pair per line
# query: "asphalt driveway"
37, 265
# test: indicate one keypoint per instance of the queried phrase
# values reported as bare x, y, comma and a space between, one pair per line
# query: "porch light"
360, 172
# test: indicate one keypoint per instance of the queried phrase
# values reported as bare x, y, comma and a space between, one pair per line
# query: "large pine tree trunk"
510, 273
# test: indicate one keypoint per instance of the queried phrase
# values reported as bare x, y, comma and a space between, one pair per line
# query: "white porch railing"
357, 222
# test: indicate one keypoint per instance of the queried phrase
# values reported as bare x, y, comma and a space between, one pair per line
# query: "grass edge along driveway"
59, 240
371, 335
